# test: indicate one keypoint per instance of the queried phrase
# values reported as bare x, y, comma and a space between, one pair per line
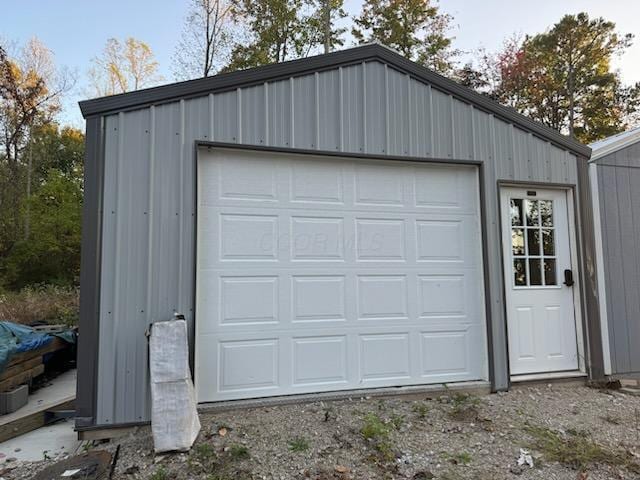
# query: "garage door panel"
379, 185
319, 360
384, 357
318, 298
314, 183
332, 274
316, 238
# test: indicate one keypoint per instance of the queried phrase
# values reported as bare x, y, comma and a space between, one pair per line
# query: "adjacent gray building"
615, 181
329, 224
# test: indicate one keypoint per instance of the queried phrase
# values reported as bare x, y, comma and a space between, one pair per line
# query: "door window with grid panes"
533, 243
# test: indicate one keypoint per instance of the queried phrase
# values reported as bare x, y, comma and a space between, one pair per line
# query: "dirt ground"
570, 432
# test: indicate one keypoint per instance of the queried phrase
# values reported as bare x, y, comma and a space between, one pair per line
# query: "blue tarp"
17, 338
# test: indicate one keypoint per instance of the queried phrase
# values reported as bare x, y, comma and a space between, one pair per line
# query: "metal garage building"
615, 181
339, 222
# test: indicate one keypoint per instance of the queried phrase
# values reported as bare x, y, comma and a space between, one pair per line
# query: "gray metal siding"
368, 108
618, 187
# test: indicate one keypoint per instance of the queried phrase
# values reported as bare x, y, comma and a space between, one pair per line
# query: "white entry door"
539, 281
322, 274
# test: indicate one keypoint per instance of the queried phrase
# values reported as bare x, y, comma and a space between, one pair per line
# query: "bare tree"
123, 67
206, 39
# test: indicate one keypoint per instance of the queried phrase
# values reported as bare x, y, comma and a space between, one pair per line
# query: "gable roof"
369, 52
612, 144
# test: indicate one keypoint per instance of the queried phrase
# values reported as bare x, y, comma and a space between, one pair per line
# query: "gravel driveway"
569, 430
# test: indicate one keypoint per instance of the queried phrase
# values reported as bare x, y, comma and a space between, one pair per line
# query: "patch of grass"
612, 419
461, 458
298, 444
421, 410
159, 474
577, 449
378, 433
239, 452
397, 421
204, 451
464, 407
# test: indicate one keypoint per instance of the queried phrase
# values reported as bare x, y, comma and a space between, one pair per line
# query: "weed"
328, 413
464, 407
612, 419
577, 449
159, 474
298, 444
462, 458
374, 428
378, 432
204, 452
421, 410
238, 452
397, 421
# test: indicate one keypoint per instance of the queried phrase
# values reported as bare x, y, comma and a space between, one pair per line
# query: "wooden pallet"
25, 366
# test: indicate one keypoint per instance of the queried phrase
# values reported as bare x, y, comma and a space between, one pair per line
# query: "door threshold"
528, 377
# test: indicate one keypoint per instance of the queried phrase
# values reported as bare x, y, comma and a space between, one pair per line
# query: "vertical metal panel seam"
409, 149
316, 104
266, 114
431, 122
387, 116
239, 111
150, 215
117, 251
472, 153
292, 110
180, 213
341, 107
211, 109
363, 148
453, 126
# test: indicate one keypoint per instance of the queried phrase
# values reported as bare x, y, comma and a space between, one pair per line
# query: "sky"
77, 30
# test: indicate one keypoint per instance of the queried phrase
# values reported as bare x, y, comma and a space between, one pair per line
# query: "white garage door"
319, 274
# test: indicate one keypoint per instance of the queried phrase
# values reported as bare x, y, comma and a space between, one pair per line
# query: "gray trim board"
90, 273
254, 76
585, 236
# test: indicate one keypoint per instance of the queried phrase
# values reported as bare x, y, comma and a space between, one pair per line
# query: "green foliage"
577, 449
564, 78
415, 28
239, 452
460, 458
465, 407
160, 474
378, 433
421, 410
281, 30
299, 444
40, 229
51, 252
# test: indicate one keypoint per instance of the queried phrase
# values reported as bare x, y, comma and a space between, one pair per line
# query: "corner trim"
90, 274
600, 272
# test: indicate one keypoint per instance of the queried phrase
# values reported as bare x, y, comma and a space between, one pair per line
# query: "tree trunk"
327, 26
27, 216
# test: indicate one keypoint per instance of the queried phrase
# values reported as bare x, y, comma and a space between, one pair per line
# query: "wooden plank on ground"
20, 367
30, 422
21, 378
55, 345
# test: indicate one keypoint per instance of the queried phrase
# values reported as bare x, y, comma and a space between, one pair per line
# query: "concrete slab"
62, 388
52, 441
